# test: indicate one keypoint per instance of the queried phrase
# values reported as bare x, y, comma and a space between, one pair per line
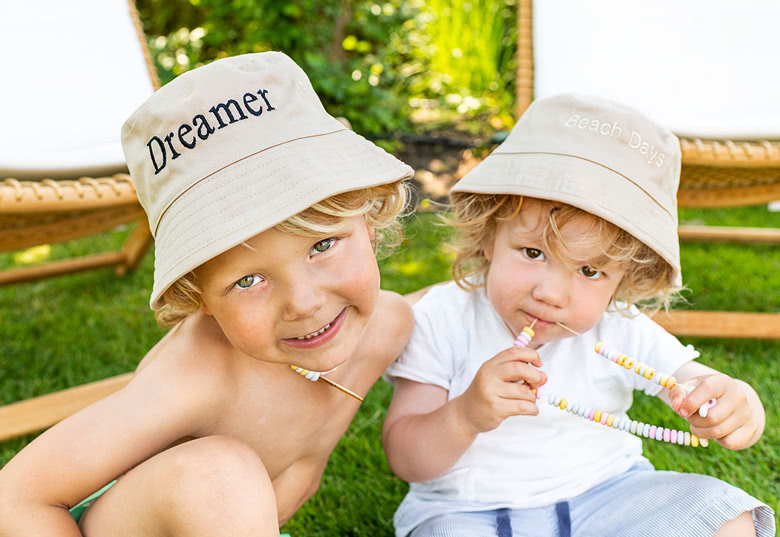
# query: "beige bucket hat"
230, 149
595, 154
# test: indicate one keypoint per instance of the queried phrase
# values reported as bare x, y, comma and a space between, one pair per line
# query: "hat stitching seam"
162, 213
215, 188
594, 162
166, 276
181, 246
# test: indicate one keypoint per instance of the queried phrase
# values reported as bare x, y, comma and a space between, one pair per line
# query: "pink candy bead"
651, 434
590, 415
673, 438
604, 417
667, 435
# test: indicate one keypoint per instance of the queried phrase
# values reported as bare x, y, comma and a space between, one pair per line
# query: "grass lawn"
75, 329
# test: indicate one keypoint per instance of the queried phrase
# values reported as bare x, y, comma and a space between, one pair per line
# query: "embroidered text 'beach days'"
605, 128
203, 129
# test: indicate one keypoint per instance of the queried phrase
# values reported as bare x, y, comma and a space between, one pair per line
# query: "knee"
219, 473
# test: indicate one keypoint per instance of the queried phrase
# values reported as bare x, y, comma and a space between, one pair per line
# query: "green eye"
323, 245
247, 281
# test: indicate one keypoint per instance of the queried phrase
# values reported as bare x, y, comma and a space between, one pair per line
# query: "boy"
265, 212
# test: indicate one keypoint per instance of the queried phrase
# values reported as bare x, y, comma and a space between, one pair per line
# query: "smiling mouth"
314, 334
318, 337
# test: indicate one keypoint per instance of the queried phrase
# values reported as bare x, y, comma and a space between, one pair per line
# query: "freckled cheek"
246, 329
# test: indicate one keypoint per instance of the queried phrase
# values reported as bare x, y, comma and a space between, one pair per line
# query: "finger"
516, 391
520, 354
521, 407
739, 439
679, 393
709, 388
718, 430
518, 371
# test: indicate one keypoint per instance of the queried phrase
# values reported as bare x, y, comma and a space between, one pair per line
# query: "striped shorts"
642, 502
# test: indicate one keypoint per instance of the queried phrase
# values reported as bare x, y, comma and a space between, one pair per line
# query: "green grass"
74, 329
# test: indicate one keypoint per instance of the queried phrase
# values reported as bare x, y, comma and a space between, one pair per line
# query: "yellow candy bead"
599, 345
671, 383
621, 359
629, 363
562, 404
637, 367
649, 372
664, 378
694, 440
610, 420
597, 416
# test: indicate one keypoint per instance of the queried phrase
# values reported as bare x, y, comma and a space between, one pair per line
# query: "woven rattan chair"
704, 68
72, 72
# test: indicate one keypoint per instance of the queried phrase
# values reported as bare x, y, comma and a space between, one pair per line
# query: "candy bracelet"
623, 423
314, 376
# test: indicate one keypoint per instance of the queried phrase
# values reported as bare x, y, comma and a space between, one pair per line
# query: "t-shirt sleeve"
429, 356
660, 350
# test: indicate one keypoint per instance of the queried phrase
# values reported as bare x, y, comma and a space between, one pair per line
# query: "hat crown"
606, 133
202, 121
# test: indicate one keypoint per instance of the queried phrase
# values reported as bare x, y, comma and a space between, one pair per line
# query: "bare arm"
735, 422
424, 434
89, 449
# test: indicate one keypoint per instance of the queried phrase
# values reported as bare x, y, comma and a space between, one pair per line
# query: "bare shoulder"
193, 360
391, 325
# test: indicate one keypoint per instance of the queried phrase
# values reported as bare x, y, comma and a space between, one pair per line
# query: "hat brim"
581, 183
260, 191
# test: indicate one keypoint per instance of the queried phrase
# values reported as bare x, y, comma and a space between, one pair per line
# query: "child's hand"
502, 388
730, 422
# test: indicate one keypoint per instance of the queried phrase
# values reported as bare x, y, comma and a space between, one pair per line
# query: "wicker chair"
723, 89
83, 69
63, 175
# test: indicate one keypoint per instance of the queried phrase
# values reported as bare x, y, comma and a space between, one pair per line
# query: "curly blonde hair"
382, 206
648, 281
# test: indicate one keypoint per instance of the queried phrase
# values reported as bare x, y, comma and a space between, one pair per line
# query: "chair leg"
135, 247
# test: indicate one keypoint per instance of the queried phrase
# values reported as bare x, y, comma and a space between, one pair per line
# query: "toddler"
564, 228
266, 212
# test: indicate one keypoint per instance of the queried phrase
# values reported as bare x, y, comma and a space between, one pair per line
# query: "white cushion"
72, 72
702, 68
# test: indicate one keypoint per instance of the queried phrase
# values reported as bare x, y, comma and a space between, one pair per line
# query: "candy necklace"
623, 422
314, 376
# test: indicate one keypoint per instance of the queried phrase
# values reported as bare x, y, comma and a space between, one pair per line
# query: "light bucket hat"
230, 149
594, 154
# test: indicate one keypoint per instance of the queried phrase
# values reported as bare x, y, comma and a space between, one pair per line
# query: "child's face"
267, 300
525, 282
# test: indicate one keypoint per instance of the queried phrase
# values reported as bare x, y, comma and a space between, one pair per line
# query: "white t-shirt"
530, 461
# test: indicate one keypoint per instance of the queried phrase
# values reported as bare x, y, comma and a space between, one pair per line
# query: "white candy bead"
659, 433
687, 441
646, 430
680, 437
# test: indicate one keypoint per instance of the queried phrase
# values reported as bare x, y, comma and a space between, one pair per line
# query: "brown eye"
590, 272
533, 253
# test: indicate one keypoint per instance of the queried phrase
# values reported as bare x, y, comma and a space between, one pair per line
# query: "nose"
553, 288
303, 299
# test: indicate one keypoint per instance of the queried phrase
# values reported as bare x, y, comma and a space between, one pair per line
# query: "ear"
371, 232
487, 249
205, 309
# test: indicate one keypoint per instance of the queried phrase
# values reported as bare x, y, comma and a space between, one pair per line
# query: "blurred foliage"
372, 62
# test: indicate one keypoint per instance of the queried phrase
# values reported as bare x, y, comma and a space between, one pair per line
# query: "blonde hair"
382, 206
648, 281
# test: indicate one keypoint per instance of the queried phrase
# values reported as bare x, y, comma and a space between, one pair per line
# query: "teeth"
314, 334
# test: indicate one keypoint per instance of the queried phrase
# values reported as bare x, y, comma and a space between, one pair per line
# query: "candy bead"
646, 430
659, 433
563, 404
681, 438
694, 440
528, 330
642, 367
663, 380
551, 399
632, 427
556, 401
687, 438
603, 419
649, 373
621, 359
673, 437
598, 347
651, 432
704, 442
597, 416
671, 383
667, 435
629, 363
